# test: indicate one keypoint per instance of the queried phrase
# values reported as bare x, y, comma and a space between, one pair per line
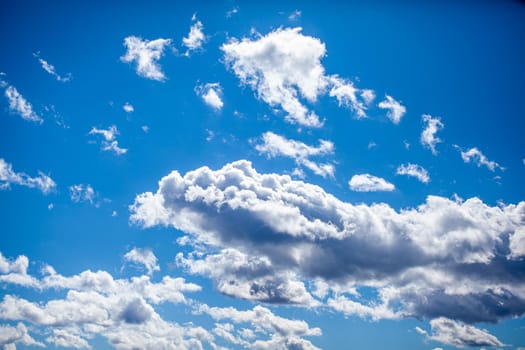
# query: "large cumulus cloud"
268, 237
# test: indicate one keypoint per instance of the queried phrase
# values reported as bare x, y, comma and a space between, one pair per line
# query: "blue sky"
286, 175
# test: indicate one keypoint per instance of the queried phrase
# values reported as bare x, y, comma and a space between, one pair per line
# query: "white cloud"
211, 95
284, 67
369, 183
143, 257
396, 111
476, 156
82, 193
18, 104
295, 15
8, 176
51, 69
195, 38
232, 12
517, 244
274, 145
454, 333
267, 237
145, 54
414, 170
109, 143
124, 312
128, 108
428, 136
9, 336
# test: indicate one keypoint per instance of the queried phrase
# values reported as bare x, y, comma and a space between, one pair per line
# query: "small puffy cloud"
349, 96
396, 111
8, 177
51, 69
414, 170
195, 38
274, 145
454, 333
266, 237
109, 142
474, 155
369, 183
19, 105
128, 107
211, 95
144, 257
145, 54
428, 136
82, 193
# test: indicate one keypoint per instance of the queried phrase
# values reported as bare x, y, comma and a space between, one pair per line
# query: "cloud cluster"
145, 54
82, 193
274, 145
195, 38
8, 177
211, 95
284, 67
369, 183
109, 142
126, 313
270, 238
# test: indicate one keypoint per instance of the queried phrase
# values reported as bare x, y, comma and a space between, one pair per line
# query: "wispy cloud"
145, 54
474, 155
274, 145
109, 142
82, 193
396, 110
211, 94
143, 257
414, 170
8, 177
48, 67
195, 38
428, 136
19, 105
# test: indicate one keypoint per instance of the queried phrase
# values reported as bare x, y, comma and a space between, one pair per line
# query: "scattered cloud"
19, 105
145, 54
295, 15
414, 170
125, 313
109, 142
454, 333
82, 193
474, 155
267, 237
51, 69
232, 12
145, 128
211, 94
274, 145
128, 108
369, 183
284, 67
8, 177
144, 257
396, 111
195, 38
428, 136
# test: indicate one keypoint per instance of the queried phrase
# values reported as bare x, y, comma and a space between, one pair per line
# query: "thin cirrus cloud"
428, 135
126, 313
145, 54
395, 110
10, 177
414, 170
274, 145
49, 68
370, 183
474, 155
266, 237
109, 142
211, 94
284, 67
